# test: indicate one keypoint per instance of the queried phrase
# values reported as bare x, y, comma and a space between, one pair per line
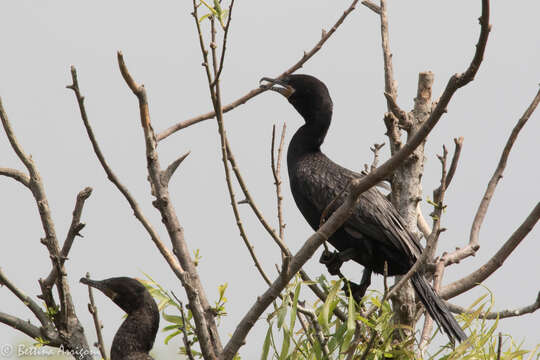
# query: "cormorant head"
125, 292
308, 95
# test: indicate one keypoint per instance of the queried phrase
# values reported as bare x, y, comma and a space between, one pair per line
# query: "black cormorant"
375, 232
135, 337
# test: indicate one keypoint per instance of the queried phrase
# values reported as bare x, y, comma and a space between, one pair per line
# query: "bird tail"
436, 308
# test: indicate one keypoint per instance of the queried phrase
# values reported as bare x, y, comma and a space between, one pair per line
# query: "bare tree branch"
137, 212
92, 309
473, 246
373, 7
66, 321
74, 229
16, 175
185, 339
168, 173
47, 325
276, 172
199, 306
28, 328
316, 328
252, 93
455, 159
475, 278
492, 315
224, 43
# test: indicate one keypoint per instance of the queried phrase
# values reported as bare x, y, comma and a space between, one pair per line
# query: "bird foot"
332, 261
357, 291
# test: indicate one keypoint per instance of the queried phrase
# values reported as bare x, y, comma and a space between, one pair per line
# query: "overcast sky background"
41, 39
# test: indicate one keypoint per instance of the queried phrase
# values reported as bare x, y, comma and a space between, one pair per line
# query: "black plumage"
375, 232
135, 337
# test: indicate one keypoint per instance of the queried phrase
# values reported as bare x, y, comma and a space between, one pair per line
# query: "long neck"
137, 333
310, 136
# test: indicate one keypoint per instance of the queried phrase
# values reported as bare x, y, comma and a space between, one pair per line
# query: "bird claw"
332, 261
357, 291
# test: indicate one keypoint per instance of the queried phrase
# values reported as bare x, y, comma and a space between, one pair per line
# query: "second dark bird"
375, 232
135, 337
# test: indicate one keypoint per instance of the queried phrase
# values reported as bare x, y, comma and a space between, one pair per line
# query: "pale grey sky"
41, 39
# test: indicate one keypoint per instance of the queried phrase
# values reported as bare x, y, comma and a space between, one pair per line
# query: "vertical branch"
92, 309
276, 172
202, 313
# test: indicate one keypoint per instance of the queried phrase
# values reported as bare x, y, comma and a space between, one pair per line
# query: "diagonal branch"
165, 252
475, 278
28, 328
47, 325
254, 92
203, 315
373, 7
16, 175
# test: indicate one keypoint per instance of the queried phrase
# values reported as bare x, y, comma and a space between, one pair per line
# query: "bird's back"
375, 227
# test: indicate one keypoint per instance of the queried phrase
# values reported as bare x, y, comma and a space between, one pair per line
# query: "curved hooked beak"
277, 85
100, 286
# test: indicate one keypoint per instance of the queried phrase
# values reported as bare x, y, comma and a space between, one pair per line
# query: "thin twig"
502, 314
499, 346
224, 43
252, 93
92, 308
276, 172
458, 142
317, 329
187, 343
251, 202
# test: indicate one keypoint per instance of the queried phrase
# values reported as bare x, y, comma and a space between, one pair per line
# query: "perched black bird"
375, 232
135, 337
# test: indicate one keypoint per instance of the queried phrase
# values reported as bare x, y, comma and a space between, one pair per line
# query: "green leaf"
294, 306
169, 327
173, 319
266, 344
286, 343
329, 305
168, 338
281, 313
